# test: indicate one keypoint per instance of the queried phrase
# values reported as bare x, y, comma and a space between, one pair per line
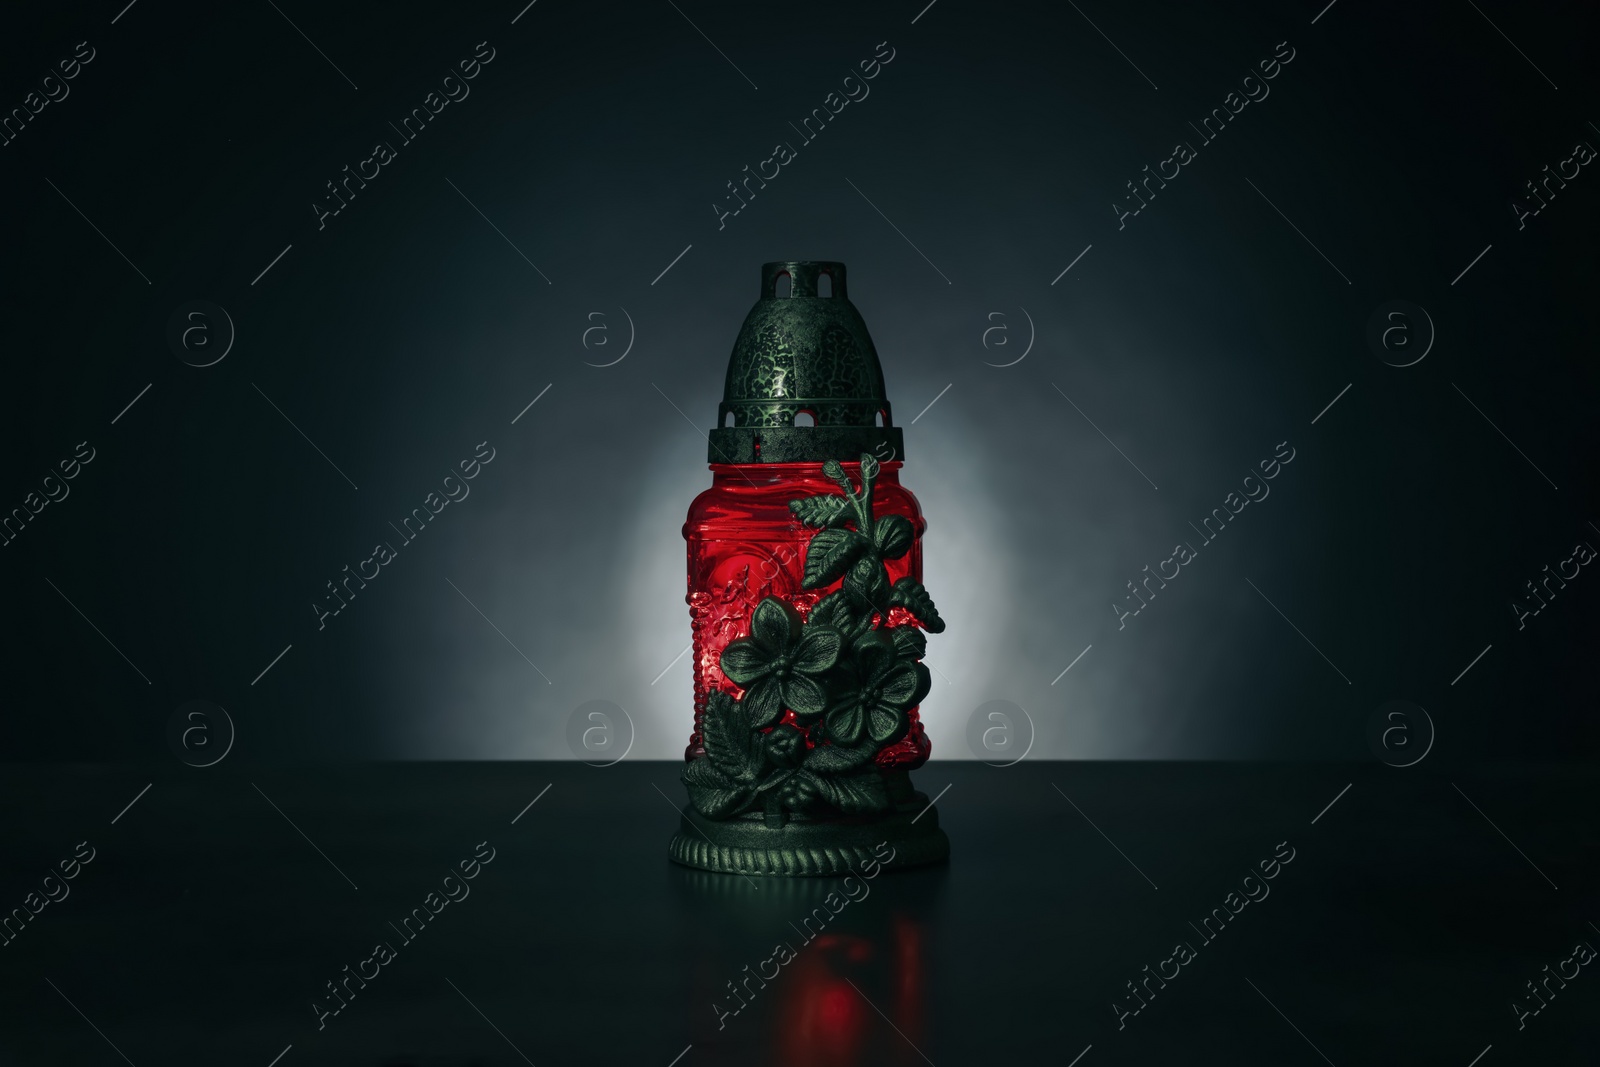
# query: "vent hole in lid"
825, 284
805, 418
783, 286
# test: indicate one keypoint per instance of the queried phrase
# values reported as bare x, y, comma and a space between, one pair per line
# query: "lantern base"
805, 847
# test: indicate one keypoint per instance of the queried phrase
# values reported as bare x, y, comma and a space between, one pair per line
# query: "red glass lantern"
799, 359
804, 411
745, 544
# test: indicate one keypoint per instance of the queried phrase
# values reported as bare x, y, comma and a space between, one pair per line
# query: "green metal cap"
804, 358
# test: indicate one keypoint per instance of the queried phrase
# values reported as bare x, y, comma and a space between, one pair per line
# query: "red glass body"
745, 544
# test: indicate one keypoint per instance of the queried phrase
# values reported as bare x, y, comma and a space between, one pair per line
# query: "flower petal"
803, 696
774, 625
762, 702
885, 723
818, 651
743, 662
924, 683
874, 654
844, 725
899, 684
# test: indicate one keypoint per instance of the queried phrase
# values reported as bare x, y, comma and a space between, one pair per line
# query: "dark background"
379, 351
408, 330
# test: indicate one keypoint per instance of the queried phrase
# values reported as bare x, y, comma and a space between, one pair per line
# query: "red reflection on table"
825, 1018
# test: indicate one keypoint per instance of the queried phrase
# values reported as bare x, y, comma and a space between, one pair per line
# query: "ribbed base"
807, 848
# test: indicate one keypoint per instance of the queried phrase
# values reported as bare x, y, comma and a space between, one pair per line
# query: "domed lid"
804, 384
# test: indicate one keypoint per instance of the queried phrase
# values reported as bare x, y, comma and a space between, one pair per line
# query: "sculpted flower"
777, 664
786, 746
877, 689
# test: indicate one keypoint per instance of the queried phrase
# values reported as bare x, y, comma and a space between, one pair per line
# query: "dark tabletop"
1414, 907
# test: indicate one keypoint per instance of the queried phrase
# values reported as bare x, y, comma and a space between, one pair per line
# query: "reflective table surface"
508, 913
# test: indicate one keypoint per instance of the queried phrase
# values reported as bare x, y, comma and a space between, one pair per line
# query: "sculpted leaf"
894, 535
909, 642
908, 593
703, 773
727, 739
710, 791
832, 759
830, 554
842, 612
856, 793
823, 510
